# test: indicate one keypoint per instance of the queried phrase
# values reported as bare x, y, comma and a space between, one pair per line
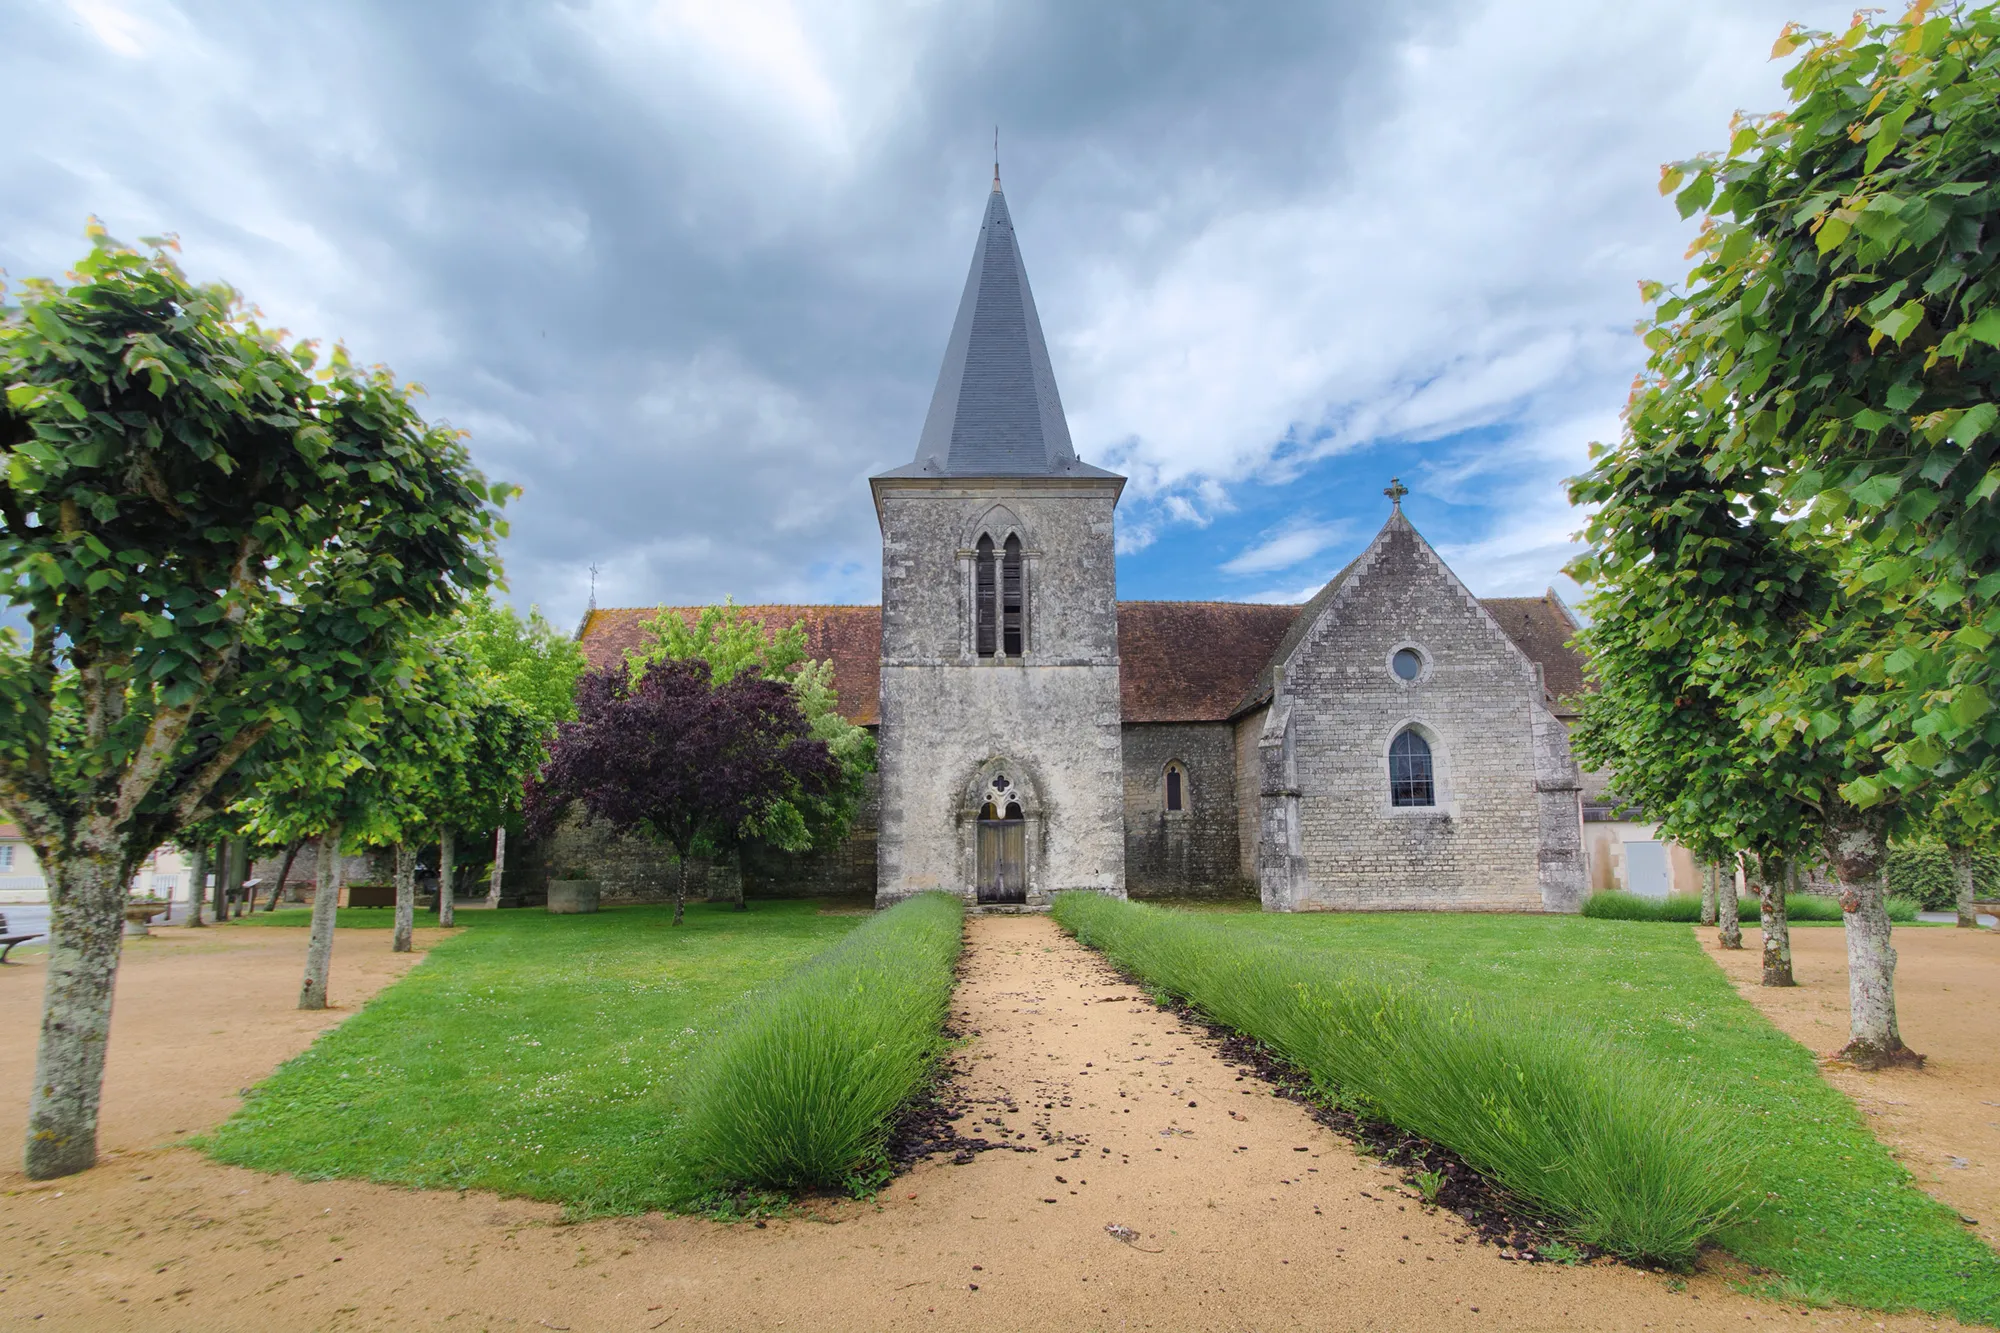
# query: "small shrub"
798, 1089
1428, 1184
1626, 1157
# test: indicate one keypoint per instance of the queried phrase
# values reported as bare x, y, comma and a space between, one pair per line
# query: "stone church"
1395, 742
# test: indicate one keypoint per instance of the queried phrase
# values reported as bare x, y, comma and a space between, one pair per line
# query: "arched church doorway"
1003, 846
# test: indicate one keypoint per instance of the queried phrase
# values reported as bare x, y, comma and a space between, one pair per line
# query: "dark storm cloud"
684, 271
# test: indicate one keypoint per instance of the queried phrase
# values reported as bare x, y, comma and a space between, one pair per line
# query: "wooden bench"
371, 895
7, 942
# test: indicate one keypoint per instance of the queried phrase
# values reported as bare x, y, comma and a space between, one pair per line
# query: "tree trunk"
239, 870
742, 878
1855, 841
1961, 868
1710, 873
680, 887
284, 873
406, 896
1772, 873
326, 899
219, 901
447, 849
499, 866
1727, 915
86, 923
197, 883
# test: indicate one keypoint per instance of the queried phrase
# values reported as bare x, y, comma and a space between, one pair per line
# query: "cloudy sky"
684, 270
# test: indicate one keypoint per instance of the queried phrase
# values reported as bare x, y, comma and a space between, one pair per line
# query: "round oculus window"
1407, 663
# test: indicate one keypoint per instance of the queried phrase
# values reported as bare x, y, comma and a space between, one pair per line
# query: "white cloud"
1472, 264
1283, 550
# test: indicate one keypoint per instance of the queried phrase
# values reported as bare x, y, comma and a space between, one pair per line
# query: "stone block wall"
633, 869
1325, 772
951, 720
1194, 853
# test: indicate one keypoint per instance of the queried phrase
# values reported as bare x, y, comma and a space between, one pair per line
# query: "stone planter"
572, 895
140, 916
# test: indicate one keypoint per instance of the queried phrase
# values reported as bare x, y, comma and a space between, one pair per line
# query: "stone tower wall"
950, 719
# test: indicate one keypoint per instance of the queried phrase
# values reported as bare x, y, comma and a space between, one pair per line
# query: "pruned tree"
535, 665
1836, 351
210, 535
1696, 586
674, 756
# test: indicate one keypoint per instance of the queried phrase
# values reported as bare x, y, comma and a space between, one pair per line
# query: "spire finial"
1396, 490
593, 585
996, 159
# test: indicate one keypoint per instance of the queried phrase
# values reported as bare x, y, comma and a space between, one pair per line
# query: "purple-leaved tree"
674, 756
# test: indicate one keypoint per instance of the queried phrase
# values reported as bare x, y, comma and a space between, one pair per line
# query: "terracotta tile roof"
1542, 627
1180, 661
851, 636
1193, 661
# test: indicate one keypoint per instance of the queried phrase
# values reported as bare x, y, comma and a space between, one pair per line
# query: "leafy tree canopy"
674, 756
530, 660
733, 643
1836, 352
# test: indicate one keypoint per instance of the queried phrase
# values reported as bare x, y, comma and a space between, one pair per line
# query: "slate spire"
995, 412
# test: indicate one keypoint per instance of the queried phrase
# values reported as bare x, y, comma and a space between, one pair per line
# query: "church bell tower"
1000, 743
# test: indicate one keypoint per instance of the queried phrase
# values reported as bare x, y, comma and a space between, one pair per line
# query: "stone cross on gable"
1396, 490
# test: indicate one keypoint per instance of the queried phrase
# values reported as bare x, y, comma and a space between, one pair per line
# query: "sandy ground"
1942, 1121
1247, 1215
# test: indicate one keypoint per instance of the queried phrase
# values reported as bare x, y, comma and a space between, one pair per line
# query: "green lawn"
1839, 1221
526, 1055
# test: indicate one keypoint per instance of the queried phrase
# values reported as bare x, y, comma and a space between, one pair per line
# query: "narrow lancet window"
1176, 802
985, 619
1410, 778
1010, 598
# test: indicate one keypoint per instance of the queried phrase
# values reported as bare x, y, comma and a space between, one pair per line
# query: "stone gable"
1329, 836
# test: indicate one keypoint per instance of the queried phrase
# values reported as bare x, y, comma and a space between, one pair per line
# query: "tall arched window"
985, 617
1176, 789
1010, 597
1410, 778
999, 622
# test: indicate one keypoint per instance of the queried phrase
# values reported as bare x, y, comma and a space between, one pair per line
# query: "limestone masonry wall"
950, 720
1326, 784
1195, 853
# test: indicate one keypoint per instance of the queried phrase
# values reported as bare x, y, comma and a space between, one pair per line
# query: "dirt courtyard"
1243, 1213
1942, 1121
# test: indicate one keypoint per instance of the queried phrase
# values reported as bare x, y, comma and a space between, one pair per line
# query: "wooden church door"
1003, 850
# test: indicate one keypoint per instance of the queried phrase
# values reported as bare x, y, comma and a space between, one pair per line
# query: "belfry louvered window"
1010, 598
985, 617
1411, 781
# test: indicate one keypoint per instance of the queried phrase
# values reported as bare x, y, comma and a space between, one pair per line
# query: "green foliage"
530, 660
1806, 908
1837, 1213
734, 643
528, 1055
1614, 1146
798, 1091
214, 538
1819, 407
1922, 872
